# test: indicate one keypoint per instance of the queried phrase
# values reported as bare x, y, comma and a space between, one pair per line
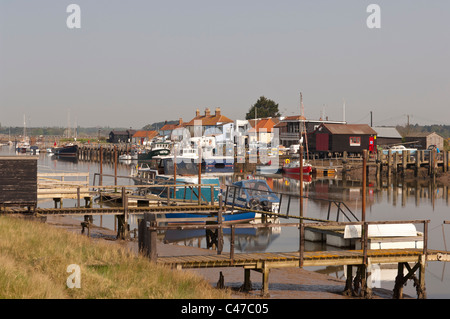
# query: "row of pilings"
108, 153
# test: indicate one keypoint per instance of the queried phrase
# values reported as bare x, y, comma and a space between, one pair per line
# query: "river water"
390, 201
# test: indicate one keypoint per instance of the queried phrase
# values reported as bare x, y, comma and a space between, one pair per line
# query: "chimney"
180, 121
218, 111
197, 112
207, 112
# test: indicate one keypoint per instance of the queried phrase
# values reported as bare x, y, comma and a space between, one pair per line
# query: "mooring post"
220, 230
421, 292
147, 236
399, 281
265, 280
348, 290
232, 245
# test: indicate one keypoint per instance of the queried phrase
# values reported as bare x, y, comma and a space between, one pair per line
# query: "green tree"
264, 108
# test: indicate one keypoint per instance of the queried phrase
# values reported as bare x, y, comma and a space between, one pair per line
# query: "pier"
362, 259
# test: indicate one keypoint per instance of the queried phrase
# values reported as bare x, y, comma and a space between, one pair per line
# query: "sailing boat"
294, 166
24, 145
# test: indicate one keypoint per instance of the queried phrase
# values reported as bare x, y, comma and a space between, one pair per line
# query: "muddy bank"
286, 283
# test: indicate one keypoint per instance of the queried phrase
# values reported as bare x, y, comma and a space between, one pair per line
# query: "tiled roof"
209, 119
266, 124
148, 134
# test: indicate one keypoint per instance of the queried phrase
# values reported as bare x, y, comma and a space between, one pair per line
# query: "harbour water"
392, 201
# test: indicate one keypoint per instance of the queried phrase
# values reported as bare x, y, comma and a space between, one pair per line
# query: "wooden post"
220, 230
348, 291
199, 175
398, 287
265, 280
78, 196
101, 166
417, 164
232, 245
147, 237
247, 286
115, 165
404, 161
421, 293
363, 215
175, 171
389, 162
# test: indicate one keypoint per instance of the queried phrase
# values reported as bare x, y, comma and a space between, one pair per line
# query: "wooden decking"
292, 259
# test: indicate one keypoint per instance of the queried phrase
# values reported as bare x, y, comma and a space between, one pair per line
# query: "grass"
34, 258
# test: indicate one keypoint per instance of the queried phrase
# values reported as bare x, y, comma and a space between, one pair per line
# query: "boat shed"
333, 139
423, 140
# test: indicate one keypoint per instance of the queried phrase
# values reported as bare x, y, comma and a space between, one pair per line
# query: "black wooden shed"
334, 139
18, 181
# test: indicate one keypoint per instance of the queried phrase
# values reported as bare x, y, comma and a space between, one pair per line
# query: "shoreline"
284, 283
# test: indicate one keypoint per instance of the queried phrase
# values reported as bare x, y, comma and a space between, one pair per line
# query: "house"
387, 136
331, 138
121, 136
167, 129
144, 137
217, 125
262, 131
423, 140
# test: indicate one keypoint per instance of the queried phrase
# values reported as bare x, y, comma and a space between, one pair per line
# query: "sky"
132, 63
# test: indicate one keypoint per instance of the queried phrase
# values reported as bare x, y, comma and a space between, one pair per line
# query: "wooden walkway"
292, 259
263, 262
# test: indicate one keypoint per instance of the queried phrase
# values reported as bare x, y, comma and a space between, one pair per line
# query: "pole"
101, 165
199, 174
174, 170
363, 217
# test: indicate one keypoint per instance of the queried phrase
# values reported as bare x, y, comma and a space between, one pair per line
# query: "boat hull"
149, 155
69, 151
228, 218
296, 170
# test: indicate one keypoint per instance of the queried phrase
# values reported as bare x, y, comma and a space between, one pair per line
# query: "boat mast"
302, 128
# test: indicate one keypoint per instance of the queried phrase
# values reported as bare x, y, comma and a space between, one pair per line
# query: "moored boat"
294, 167
69, 150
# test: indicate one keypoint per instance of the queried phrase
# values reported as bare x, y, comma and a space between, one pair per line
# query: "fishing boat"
68, 150
293, 167
157, 149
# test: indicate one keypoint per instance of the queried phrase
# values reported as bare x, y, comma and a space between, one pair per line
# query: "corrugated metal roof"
390, 132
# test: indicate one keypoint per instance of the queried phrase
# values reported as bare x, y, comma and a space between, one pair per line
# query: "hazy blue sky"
136, 62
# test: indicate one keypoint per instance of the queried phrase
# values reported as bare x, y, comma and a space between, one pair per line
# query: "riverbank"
38, 261
287, 283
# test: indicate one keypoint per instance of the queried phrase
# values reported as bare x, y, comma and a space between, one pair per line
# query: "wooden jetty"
264, 262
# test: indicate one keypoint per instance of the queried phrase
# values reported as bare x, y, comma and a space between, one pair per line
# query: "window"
355, 141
